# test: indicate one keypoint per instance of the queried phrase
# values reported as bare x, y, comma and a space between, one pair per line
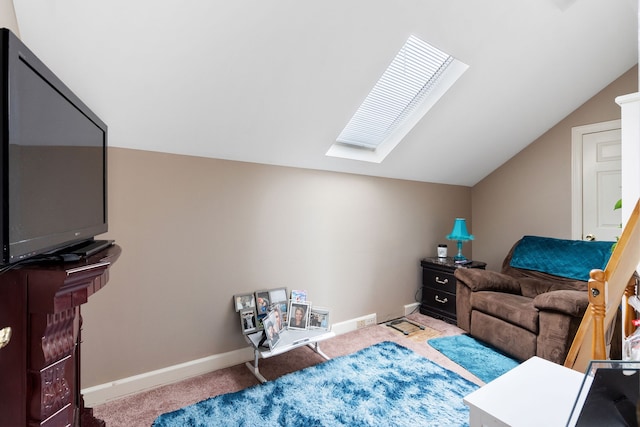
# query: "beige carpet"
143, 408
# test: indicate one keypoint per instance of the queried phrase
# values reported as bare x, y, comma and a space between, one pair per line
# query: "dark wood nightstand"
439, 287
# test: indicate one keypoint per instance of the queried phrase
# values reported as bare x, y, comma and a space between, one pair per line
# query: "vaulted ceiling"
275, 81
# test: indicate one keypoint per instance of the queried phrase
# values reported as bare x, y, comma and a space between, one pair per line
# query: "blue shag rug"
482, 360
382, 385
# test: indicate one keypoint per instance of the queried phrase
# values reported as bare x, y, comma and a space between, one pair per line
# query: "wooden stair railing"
608, 288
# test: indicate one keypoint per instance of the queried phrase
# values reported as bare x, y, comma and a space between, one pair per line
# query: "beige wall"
196, 231
531, 193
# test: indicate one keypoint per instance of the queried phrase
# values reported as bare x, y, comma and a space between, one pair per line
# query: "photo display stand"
281, 324
289, 339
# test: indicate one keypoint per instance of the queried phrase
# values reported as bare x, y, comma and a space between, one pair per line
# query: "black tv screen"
54, 159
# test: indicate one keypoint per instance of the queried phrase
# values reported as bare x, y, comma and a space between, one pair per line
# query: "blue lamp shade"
461, 234
459, 231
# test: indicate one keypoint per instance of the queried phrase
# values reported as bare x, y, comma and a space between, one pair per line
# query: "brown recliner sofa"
533, 307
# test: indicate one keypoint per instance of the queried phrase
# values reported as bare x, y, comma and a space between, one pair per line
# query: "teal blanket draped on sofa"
573, 259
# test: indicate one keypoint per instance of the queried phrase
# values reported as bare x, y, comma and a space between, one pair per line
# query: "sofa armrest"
570, 302
487, 280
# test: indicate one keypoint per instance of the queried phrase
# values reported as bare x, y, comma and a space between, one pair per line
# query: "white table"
289, 339
536, 393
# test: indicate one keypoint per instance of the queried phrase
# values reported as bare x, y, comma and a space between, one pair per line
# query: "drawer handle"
5, 336
442, 282
441, 301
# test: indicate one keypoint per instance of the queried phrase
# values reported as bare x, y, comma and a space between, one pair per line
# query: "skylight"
416, 79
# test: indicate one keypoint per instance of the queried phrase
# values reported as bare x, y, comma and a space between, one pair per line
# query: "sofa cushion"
512, 308
532, 287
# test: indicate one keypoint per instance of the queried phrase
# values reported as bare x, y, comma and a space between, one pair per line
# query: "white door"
600, 159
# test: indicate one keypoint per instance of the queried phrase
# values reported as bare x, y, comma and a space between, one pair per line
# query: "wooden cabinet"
439, 287
40, 302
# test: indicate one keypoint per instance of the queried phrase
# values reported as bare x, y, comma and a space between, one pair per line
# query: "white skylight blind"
397, 101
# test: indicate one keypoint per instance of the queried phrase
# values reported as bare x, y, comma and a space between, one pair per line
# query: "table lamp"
460, 234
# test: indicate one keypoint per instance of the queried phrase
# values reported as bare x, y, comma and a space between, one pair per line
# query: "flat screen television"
53, 155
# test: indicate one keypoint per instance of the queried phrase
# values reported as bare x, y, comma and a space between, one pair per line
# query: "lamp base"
459, 256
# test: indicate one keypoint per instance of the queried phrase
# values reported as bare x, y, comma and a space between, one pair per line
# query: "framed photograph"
278, 295
244, 302
280, 301
248, 321
278, 318
298, 295
271, 329
283, 307
319, 318
260, 318
299, 315
263, 302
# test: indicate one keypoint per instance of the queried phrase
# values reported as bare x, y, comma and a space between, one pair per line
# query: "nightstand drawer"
440, 305
439, 300
439, 280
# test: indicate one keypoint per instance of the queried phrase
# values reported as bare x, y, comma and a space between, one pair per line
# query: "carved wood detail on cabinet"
41, 302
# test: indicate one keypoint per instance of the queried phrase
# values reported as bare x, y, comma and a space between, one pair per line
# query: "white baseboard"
102, 393
410, 308
353, 324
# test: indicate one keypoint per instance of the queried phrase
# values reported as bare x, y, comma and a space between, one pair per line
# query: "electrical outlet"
364, 321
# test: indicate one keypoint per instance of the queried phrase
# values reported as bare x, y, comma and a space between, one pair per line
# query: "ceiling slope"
275, 82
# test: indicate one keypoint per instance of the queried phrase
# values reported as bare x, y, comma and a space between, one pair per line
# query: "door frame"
576, 169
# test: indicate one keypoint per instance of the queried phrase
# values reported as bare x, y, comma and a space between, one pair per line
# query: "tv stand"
40, 306
89, 247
